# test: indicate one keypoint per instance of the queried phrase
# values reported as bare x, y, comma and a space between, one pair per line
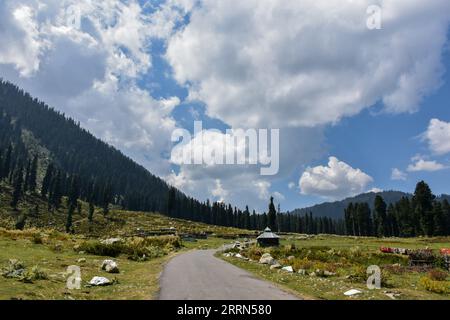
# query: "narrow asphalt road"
198, 275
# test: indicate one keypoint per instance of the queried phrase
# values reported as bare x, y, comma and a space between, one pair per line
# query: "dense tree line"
422, 215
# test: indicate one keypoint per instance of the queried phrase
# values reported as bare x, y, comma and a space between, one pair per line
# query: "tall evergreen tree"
272, 215
439, 219
18, 185
46, 183
7, 163
423, 207
32, 183
380, 216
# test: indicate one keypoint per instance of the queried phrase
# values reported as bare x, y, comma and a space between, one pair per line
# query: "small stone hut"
268, 239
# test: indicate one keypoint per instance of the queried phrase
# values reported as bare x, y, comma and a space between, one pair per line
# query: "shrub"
21, 221
422, 256
434, 286
304, 263
34, 274
57, 247
254, 253
37, 238
146, 253
437, 275
137, 249
100, 249
14, 269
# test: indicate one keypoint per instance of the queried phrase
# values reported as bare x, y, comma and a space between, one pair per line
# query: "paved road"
198, 275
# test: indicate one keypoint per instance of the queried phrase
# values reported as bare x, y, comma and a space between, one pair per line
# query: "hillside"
33, 213
71, 157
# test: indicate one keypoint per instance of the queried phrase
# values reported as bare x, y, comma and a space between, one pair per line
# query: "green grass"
136, 280
346, 256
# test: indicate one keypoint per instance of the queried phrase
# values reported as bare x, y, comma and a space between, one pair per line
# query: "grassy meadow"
346, 260
46, 250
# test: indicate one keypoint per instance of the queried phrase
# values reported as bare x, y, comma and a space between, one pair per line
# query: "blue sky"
353, 105
373, 140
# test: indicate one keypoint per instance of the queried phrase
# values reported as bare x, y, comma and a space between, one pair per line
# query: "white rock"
275, 266
100, 281
111, 241
288, 269
82, 260
302, 272
266, 258
352, 292
110, 266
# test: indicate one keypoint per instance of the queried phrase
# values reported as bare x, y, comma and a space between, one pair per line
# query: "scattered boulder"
352, 292
82, 260
290, 258
228, 254
275, 266
266, 258
324, 273
14, 269
288, 269
239, 256
111, 241
110, 266
303, 272
100, 281
392, 295
329, 273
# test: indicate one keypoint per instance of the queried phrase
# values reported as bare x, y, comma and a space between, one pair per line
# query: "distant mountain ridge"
336, 209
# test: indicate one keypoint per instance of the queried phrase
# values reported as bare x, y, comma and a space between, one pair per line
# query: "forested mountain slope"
336, 209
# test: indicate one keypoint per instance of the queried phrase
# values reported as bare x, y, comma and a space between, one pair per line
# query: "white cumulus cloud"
438, 136
91, 71
334, 181
397, 174
425, 165
303, 63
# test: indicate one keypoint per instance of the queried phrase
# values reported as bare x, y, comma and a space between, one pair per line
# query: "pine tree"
7, 163
27, 177
439, 219
446, 210
56, 192
69, 218
33, 175
171, 198
405, 218
349, 220
46, 183
91, 212
272, 215
423, 206
380, 216
18, 185
392, 224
